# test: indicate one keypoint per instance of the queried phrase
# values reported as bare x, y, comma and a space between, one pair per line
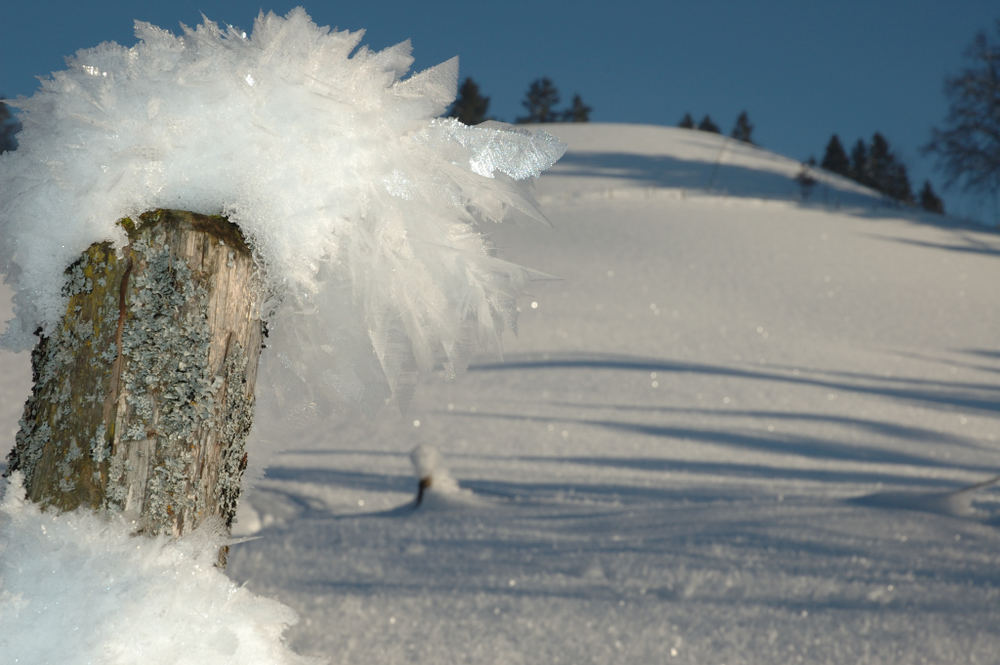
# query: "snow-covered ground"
725, 434
666, 464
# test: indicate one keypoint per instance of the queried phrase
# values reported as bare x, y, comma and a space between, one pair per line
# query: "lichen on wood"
143, 396
71, 372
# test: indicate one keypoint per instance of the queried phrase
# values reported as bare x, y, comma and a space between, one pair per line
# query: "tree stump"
143, 396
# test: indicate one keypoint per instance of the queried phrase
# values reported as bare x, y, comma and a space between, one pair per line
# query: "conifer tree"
835, 158
541, 101
706, 125
876, 166
470, 106
578, 111
886, 173
929, 200
859, 163
742, 130
880, 163
687, 122
898, 184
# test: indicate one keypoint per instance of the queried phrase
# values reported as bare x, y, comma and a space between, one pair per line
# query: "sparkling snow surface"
666, 467
724, 435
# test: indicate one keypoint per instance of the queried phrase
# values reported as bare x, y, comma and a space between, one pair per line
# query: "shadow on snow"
983, 397
733, 180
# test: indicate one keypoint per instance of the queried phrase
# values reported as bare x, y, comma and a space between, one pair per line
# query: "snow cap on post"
357, 199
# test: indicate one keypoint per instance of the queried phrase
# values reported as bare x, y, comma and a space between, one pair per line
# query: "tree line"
873, 165
966, 146
742, 129
541, 102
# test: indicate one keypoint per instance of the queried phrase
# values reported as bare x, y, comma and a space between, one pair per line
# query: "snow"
78, 588
677, 162
738, 428
732, 431
427, 464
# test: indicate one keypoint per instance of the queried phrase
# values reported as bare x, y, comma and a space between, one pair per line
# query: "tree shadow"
876, 427
359, 480
812, 447
964, 243
638, 172
734, 180
948, 395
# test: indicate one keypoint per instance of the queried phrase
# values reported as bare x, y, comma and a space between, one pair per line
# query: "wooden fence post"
143, 395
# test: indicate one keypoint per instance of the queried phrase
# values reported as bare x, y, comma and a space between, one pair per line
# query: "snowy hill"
623, 160
665, 464
725, 434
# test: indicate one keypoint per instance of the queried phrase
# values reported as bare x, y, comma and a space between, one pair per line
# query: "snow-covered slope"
639, 160
724, 434
666, 466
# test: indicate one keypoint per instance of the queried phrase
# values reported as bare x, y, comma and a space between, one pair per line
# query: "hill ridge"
615, 160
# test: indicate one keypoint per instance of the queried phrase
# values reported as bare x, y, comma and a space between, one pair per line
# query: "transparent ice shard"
498, 147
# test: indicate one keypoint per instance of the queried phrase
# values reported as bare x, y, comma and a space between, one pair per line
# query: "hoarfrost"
361, 204
112, 598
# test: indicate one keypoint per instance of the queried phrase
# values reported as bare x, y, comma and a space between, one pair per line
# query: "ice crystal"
360, 202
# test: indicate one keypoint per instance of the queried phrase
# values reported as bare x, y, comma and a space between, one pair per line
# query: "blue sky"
802, 70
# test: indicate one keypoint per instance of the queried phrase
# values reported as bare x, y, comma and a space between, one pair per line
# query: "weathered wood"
143, 396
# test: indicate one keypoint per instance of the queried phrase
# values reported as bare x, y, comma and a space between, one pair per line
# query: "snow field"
684, 453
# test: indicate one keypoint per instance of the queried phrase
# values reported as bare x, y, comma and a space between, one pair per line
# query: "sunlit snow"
80, 589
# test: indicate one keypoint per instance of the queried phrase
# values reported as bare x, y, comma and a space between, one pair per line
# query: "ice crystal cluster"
77, 588
364, 205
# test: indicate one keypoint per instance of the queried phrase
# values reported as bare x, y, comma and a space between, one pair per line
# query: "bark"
143, 395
